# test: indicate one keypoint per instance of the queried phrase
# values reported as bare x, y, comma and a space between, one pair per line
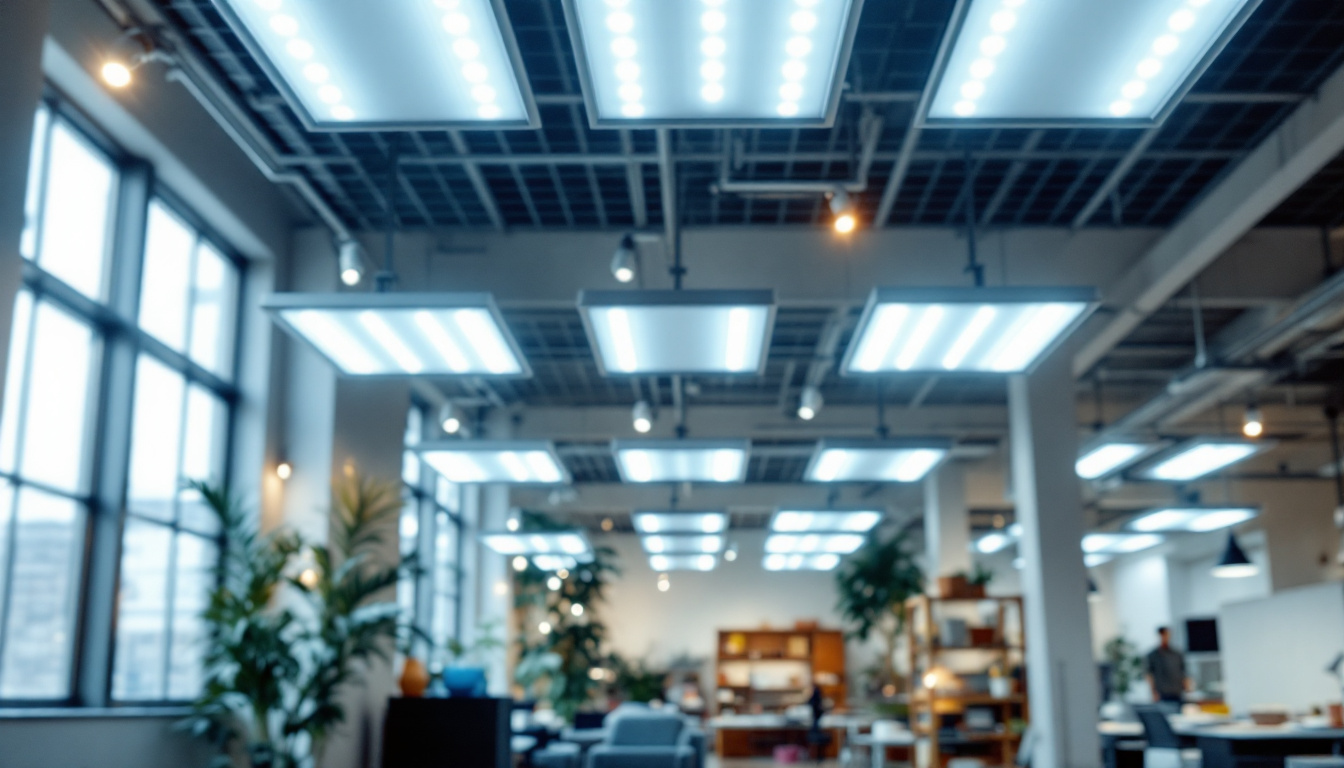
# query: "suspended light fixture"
642, 416
351, 262
793, 520
680, 522
401, 334
1200, 457
681, 461
809, 405
623, 263
1191, 519
665, 563
132, 49
453, 64
1093, 593
1112, 455
495, 461
963, 330
1234, 563
875, 461
450, 419
846, 215
1253, 423
764, 63
284, 470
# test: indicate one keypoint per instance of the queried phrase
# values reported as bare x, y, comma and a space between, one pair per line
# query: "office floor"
762, 762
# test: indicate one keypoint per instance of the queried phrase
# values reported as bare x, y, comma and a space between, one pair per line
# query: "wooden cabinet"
767, 670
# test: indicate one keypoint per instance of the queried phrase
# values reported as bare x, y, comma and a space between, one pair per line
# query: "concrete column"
1061, 676
947, 527
23, 27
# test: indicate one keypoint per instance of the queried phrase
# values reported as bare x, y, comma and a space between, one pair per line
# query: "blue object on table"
465, 682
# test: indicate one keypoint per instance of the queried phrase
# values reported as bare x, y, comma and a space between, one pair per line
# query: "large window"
108, 324
431, 528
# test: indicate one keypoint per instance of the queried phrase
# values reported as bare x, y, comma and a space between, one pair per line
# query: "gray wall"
104, 741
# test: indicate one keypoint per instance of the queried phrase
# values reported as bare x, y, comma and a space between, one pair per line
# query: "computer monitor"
1201, 635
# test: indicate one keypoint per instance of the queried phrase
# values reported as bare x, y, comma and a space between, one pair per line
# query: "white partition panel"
1275, 650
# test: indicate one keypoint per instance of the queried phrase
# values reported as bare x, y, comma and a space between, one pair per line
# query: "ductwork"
870, 131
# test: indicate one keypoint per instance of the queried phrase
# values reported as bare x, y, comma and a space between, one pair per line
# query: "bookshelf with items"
968, 698
769, 670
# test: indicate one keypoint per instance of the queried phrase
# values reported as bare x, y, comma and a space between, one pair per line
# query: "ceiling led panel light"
562, 544
813, 543
356, 65
1047, 62
874, 461
1111, 457
403, 334
661, 544
671, 332
825, 521
782, 562
1119, 543
520, 462
712, 62
675, 522
1198, 458
1192, 519
665, 563
681, 461
954, 330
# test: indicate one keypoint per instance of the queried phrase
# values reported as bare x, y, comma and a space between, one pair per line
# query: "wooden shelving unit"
938, 714
747, 655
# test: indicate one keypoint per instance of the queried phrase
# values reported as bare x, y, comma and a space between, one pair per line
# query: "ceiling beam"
478, 182
1309, 139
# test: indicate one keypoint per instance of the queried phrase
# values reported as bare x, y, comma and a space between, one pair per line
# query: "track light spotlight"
450, 419
846, 217
623, 262
809, 405
1253, 425
351, 262
131, 50
642, 416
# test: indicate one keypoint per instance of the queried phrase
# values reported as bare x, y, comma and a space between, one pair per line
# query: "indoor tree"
290, 625
874, 584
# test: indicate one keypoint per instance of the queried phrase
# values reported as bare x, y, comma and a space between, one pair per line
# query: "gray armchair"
645, 740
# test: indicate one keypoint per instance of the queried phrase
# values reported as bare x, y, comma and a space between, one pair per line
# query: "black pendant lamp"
1234, 563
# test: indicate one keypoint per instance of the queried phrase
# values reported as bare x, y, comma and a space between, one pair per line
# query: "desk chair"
1164, 746
817, 742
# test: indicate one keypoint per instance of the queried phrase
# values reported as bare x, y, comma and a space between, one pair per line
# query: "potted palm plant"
873, 586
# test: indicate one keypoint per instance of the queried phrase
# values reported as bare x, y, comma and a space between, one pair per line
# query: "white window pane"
444, 623
155, 439
39, 627
193, 578
6, 520
203, 455
77, 209
142, 612
410, 468
31, 203
212, 313
414, 427
164, 287
18, 364
53, 447
445, 493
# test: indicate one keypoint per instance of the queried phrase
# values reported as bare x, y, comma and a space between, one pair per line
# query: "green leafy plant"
980, 576
577, 640
487, 640
1125, 664
289, 626
874, 585
635, 680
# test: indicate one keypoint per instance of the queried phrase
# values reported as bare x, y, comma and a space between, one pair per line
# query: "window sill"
93, 713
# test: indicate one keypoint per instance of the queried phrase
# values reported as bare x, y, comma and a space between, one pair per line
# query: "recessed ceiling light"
665, 563
813, 543
524, 462
455, 63
825, 521
572, 544
874, 461
678, 522
713, 64
1197, 458
782, 562
954, 330
678, 332
403, 334
1111, 456
682, 544
681, 461
1191, 519
1065, 62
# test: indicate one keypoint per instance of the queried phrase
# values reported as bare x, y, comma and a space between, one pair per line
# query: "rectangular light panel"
1192, 519
572, 544
1112, 456
992, 543
1197, 458
675, 522
495, 461
665, 544
712, 62
1071, 62
1119, 543
672, 332
558, 562
665, 563
874, 461
954, 330
825, 521
681, 461
813, 543
403, 334
413, 64
782, 562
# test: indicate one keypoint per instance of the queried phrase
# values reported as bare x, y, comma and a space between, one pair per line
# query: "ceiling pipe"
870, 130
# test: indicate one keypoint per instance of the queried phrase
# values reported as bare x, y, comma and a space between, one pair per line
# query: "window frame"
120, 342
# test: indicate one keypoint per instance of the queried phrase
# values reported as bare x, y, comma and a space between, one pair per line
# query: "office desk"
1246, 746
877, 745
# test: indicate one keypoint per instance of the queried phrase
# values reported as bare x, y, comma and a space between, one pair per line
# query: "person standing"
1165, 668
